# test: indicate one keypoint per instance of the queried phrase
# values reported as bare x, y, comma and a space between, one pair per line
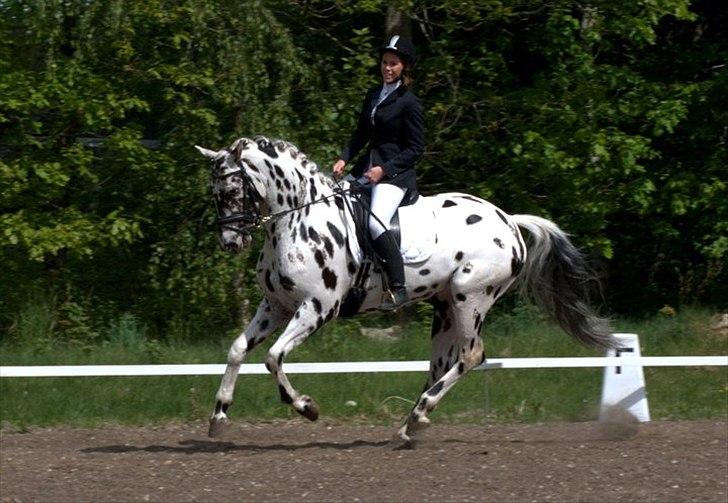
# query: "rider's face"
391, 67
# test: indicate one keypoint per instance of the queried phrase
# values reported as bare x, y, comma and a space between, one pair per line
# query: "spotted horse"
309, 262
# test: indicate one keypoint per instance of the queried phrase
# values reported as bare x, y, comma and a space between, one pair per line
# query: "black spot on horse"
449, 203
336, 234
265, 146
424, 272
279, 171
498, 242
477, 322
287, 183
461, 368
488, 289
472, 219
313, 190
435, 389
286, 282
285, 397
502, 216
304, 234
420, 289
316, 305
320, 259
275, 241
268, 283
329, 246
447, 325
339, 202
280, 199
329, 278
314, 235
351, 267
466, 270
263, 324
461, 297
459, 256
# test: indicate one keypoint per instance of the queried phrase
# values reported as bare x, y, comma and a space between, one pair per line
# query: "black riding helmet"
402, 47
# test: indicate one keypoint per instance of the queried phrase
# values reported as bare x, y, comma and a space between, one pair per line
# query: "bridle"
250, 216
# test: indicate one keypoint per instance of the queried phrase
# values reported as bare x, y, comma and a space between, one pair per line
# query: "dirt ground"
296, 460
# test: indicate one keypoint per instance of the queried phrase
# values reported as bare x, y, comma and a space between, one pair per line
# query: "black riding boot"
388, 250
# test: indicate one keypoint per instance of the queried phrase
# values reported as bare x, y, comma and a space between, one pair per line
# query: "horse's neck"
307, 201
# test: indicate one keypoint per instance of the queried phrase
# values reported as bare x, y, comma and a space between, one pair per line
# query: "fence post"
623, 388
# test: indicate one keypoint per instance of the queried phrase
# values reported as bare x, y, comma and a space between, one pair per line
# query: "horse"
310, 261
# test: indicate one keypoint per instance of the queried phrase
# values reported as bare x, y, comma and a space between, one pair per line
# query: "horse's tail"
556, 277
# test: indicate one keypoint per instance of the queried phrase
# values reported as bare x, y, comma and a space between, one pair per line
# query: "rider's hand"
375, 174
338, 168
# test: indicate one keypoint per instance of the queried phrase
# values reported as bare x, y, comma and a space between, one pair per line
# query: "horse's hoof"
218, 426
308, 408
403, 439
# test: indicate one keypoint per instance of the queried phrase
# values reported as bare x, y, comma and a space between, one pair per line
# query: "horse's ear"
210, 154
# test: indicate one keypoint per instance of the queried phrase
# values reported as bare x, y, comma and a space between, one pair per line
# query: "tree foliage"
607, 117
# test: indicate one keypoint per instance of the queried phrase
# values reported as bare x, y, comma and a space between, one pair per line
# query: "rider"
391, 124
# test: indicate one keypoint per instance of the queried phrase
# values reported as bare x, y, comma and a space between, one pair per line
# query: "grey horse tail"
557, 278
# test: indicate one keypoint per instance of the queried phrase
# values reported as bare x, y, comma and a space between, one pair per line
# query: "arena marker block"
623, 388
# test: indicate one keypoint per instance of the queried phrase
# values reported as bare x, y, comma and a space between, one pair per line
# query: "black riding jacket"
395, 140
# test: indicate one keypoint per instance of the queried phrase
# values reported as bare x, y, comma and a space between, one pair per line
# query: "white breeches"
385, 201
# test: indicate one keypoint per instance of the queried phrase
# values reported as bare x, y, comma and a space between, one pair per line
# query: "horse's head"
256, 178
237, 194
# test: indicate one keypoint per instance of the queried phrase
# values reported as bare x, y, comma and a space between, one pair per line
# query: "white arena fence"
357, 367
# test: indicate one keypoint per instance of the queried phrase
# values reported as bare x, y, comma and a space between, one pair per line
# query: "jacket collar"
392, 96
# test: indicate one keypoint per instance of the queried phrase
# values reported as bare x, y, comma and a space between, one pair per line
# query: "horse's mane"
309, 167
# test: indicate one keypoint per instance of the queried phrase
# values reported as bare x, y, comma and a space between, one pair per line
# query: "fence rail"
357, 367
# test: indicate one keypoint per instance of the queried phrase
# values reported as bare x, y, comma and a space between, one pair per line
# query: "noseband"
250, 216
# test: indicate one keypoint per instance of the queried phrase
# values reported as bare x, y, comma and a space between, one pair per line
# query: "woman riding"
391, 125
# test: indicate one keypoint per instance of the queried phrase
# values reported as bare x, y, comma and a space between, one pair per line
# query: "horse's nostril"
231, 246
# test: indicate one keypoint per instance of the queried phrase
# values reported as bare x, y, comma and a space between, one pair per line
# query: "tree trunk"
398, 23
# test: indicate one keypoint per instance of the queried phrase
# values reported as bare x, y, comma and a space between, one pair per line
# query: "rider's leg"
385, 201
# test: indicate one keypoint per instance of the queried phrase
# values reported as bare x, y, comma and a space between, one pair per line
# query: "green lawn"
497, 395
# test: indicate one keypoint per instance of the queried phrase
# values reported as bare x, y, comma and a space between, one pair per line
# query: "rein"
251, 218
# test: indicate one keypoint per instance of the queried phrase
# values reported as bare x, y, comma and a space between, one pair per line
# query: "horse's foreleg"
263, 324
308, 318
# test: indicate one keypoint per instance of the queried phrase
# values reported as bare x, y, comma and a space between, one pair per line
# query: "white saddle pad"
417, 228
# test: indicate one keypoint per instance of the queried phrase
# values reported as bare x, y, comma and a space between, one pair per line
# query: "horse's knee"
273, 361
237, 352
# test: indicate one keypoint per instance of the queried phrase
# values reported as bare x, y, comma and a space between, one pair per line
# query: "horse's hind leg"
457, 348
265, 321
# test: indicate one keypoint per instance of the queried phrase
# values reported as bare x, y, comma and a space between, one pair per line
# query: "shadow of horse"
211, 447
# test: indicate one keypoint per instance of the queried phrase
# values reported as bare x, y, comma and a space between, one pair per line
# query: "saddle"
360, 204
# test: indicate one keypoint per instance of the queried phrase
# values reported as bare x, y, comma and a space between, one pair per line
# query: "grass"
503, 395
